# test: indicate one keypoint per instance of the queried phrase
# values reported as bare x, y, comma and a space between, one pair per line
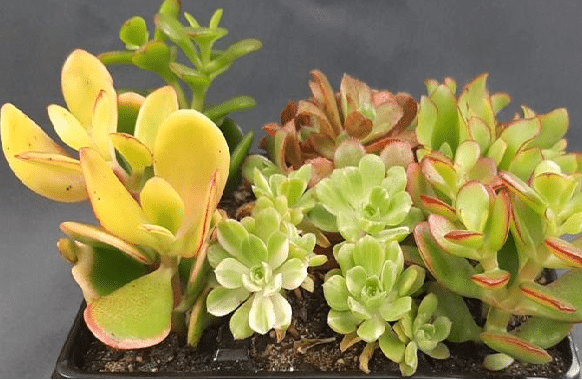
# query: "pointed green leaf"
516, 347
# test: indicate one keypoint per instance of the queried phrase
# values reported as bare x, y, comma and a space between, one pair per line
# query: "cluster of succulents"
414, 207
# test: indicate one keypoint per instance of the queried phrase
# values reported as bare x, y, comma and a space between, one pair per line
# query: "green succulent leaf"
262, 316
221, 301
144, 324
371, 329
342, 322
239, 322
134, 33
392, 347
516, 347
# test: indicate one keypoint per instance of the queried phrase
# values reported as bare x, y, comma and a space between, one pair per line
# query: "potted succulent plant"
403, 230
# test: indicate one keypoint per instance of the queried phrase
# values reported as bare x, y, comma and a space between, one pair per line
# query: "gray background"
532, 49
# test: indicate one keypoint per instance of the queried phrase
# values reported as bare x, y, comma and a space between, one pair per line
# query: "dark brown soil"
220, 355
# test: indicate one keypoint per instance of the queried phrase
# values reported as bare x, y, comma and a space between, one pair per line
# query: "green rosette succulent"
286, 193
371, 290
253, 268
367, 199
419, 329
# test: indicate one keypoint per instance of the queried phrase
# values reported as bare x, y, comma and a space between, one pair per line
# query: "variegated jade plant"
154, 194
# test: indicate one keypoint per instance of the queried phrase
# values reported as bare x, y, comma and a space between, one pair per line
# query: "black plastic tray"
70, 362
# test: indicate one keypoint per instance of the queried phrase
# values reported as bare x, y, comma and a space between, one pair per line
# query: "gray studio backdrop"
532, 49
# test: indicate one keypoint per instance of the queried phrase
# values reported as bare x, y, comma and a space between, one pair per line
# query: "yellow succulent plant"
154, 175
90, 120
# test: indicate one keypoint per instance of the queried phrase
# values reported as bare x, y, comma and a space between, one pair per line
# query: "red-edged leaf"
539, 294
325, 98
453, 272
525, 192
440, 172
470, 239
136, 315
493, 279
516, 347
565, 251
436, 206
416, 184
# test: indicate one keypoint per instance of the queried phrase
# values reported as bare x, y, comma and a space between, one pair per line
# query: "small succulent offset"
419, 329
371, 299
335, 130
253, 266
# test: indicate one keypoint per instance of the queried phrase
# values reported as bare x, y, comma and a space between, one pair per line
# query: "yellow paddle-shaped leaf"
117, 211
104, 122
59, 180
82, 79
162, 204
156, 107
134, 151
188, 152
68, 127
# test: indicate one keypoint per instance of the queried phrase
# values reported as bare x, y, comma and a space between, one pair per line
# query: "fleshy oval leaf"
19, 135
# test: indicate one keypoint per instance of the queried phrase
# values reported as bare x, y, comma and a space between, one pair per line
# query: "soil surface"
220, 355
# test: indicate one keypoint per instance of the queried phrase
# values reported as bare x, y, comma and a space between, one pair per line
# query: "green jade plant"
499, 198
205, 63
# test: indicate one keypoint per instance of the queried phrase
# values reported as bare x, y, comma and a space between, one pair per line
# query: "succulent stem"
497, 320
